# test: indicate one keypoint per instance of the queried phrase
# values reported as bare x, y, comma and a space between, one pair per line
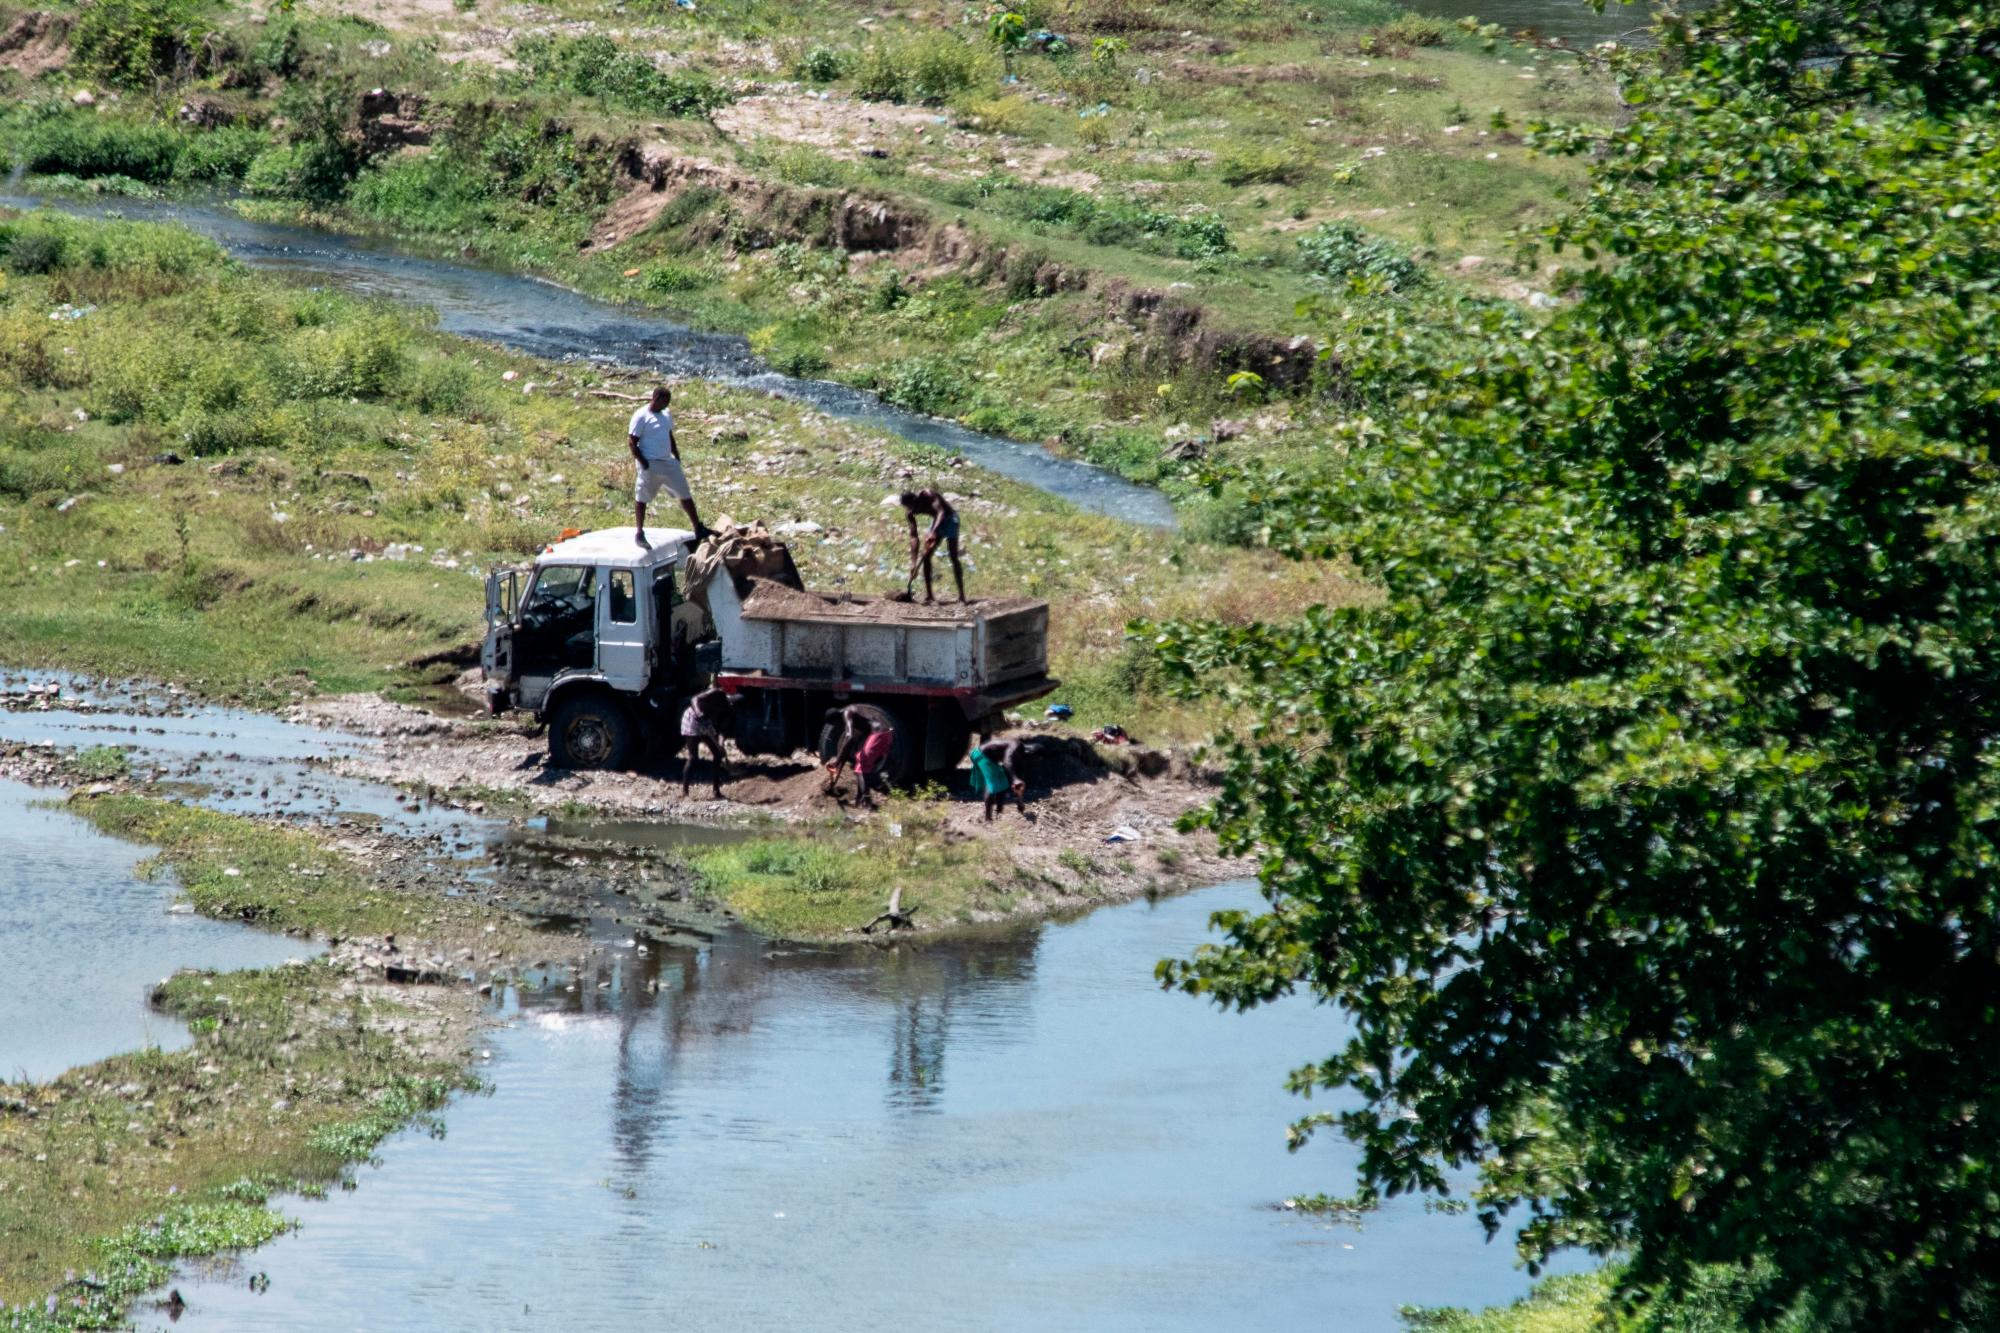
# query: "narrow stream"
551, 321
86, 937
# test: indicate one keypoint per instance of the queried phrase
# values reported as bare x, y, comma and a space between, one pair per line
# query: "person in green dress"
994, 776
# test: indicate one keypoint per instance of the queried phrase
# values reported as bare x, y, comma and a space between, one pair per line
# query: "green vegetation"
115, 1167
235, 868
821, 886
1644, 831
228, 510
1139, 199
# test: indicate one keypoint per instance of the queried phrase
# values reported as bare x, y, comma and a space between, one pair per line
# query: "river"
1012, 1130
547, 320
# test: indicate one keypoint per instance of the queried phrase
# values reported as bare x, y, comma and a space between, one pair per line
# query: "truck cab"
584, 638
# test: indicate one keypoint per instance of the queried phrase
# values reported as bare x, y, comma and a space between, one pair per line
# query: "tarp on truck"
746, 554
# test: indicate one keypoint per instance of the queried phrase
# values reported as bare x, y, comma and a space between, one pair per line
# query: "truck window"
560, 591
624, 604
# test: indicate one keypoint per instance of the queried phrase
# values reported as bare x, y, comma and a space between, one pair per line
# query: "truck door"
624, 653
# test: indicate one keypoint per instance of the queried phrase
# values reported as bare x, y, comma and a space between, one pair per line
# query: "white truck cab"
592, 615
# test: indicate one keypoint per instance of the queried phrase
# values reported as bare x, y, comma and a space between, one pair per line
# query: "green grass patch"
805, 886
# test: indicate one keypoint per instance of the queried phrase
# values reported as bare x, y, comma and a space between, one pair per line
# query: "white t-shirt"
655, 432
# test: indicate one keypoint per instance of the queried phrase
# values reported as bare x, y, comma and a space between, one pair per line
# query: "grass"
313, 428
827, 885
1573, 1304
238, 869
1186, 164
115, 1167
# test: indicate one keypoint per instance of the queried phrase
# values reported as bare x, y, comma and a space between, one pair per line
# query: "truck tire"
905, 759
590, 731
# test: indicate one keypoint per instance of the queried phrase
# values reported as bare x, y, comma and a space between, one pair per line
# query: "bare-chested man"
944, 528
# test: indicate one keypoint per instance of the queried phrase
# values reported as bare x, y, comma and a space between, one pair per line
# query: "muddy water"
1017, 1132
551, 321
85, 938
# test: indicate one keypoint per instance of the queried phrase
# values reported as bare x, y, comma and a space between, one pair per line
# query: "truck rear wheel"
904, 755
589, 732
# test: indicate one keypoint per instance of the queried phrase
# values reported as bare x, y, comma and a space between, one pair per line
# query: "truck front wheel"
589, 732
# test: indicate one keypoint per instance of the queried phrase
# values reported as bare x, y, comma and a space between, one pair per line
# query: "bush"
217, 155
93, 146
135, 42
438, 386
927, 68
593, 66
1264, 166
435, 192
823, 64
1335, 250
933, 385
667, 276
32, 252
1414, 30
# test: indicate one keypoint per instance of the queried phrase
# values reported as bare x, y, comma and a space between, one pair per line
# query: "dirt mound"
772, 601
34, 42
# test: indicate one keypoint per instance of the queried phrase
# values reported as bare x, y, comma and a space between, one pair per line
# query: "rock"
83, 97
1469, 263
1229, 430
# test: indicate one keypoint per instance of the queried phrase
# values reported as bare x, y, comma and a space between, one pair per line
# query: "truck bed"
774, 601
879, 643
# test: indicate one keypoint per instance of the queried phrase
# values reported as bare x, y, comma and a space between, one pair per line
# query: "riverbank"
1099, 238
116, 1168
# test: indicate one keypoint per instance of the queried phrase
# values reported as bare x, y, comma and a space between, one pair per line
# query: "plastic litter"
1060, 712
1124, 833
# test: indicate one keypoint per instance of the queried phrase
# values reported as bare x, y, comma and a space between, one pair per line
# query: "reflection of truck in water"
605, 641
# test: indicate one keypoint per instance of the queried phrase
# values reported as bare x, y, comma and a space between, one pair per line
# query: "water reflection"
1012, 1132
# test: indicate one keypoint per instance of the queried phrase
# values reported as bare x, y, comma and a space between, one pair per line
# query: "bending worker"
658, 455
944, 528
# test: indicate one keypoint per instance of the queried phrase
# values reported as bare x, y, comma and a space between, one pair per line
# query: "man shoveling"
944, 528
658, 455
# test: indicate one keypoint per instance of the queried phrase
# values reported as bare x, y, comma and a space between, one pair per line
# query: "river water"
1017, 1132
1014, 1130
86, 937
550, 321
1572, 21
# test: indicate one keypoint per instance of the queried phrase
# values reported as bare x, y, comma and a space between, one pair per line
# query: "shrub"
217, 155
933, 385
669, 276
926, 68
435, 192
92, 146
594, 66
29, 252
1264, 166
823, 64
1414, 30
1335, 250
438, 386
134, 42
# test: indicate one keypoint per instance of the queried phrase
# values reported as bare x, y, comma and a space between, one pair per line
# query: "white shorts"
661, 474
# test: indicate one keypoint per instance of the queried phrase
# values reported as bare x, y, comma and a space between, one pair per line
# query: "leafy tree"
1646, 828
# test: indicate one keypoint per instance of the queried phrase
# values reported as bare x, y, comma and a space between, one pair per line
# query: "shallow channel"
1017, 1132
546, 320
86, 937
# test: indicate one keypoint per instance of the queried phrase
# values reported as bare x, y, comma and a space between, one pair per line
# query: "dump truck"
605, 640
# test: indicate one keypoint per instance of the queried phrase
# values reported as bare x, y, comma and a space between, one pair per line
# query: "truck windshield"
560, 591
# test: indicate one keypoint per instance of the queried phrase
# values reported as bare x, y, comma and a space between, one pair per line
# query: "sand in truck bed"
775, 601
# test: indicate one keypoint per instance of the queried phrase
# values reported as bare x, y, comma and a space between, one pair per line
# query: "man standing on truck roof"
944, 528
658, 455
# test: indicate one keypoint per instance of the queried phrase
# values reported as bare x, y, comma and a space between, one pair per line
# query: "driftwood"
894, 914
622, 397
